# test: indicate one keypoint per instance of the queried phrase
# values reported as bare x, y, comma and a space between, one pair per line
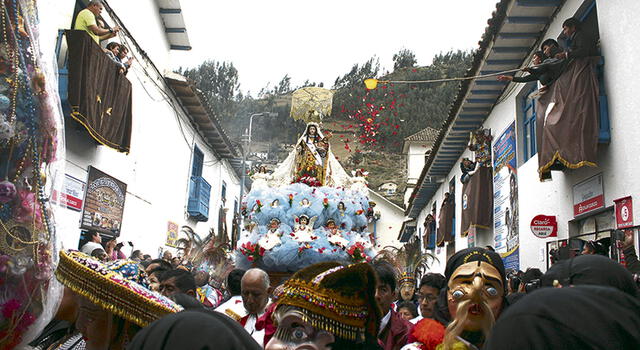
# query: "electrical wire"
449, 79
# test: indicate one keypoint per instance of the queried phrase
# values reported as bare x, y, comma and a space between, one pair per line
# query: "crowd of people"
115, 302
90, 21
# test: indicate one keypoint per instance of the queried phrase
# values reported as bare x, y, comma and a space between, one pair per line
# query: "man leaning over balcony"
86, 20
582, 44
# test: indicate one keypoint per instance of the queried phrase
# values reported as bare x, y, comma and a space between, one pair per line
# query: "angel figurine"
261, 178
341, 208
334, 236
359, 182
272, 238
303, 230
305, 203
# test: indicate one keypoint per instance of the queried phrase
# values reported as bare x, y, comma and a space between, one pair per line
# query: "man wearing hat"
474, 298
114, 303
327, 305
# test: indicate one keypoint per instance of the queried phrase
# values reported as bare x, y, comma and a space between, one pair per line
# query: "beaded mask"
330, 299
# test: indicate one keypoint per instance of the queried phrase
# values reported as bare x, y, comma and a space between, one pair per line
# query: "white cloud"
320, 40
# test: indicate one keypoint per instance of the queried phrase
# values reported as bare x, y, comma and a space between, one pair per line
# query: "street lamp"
247, 138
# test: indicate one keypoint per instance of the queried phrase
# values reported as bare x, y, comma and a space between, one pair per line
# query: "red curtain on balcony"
477, 201
567, 119
99, 96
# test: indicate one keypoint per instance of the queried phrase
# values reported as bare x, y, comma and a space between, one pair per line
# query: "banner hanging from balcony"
505, 198
100, 96
477, 177
103, 203
567, 120
445, 221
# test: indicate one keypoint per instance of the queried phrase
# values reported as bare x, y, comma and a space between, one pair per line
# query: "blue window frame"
198, 160
529, 124
199, 189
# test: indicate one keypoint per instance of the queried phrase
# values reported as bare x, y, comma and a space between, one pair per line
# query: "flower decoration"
325, 202
290, 199
259, 206
356, 252
253, 251
308, 180
303, 247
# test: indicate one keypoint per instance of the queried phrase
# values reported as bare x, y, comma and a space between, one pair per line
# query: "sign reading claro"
544, 226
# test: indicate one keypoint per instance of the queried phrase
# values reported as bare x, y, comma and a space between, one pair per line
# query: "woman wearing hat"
114, 303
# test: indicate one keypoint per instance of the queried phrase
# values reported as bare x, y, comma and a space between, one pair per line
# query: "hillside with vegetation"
368, 126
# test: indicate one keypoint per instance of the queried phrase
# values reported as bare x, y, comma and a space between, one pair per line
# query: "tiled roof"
427, 134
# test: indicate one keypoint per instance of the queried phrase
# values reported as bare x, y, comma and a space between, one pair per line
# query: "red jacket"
396, 333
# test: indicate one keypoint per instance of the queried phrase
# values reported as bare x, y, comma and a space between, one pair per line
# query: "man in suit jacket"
581, 43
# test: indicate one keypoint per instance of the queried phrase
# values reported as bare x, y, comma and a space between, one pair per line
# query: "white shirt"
89, 247
384, 321
250, 327
416, 320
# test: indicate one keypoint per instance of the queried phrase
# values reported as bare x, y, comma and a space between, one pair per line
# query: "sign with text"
104, 203
72, 193
588, 195
544, 226
505, 198
624, 212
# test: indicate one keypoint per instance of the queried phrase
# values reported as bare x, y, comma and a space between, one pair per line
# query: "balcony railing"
199, 196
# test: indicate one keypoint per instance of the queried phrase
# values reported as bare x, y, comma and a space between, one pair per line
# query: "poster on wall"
172, 234
103, 203
72, 193
505, 198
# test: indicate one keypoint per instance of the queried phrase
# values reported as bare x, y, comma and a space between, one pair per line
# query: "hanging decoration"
30, 143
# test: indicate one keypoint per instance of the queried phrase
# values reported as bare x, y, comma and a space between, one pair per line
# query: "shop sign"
624, 212
71, 193
544, 226
104, 203
588, 195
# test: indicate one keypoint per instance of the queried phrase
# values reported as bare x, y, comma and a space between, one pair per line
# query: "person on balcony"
122, 57
580, 43
113, 51
86, 20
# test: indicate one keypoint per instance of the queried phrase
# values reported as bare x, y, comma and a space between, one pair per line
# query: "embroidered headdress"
114, 287
335, 298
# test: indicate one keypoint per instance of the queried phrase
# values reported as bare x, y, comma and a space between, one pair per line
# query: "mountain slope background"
367, 126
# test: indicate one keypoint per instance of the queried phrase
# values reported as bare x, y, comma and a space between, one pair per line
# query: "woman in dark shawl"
582, 317
590, 269
194, 330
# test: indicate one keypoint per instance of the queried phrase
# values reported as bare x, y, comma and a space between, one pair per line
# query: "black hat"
475, 254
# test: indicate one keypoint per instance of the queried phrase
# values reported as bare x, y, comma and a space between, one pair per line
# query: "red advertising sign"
588, 195
544, 226
624, 212
72, 193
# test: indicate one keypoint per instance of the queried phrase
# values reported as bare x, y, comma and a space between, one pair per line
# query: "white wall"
157, 169
391, 218
415, 161
618, 28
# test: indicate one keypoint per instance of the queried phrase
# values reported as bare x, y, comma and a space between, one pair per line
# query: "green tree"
404, 59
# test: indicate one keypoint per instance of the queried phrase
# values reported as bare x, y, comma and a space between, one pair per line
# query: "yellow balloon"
371, 83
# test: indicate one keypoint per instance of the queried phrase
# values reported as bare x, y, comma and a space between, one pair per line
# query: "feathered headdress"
210, 254
411, 264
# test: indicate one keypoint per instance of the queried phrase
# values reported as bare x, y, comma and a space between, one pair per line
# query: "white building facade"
581, 200
171, 128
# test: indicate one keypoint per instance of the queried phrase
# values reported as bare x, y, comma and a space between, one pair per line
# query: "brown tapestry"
567, 134
445, 223
100, 96
477, 201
